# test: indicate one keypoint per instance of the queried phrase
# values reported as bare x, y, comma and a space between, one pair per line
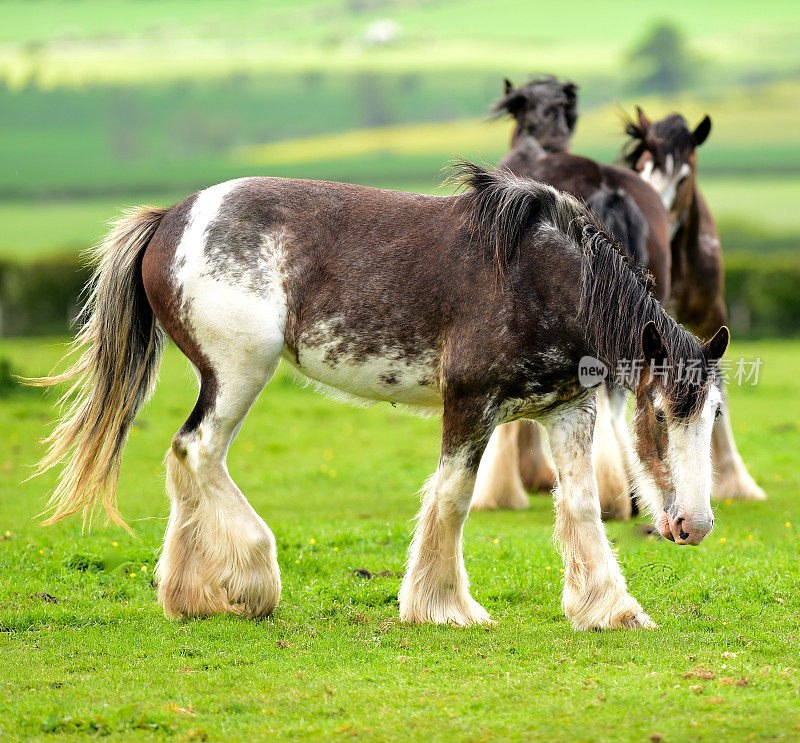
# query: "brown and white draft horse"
480, 304
545, 114
664, 154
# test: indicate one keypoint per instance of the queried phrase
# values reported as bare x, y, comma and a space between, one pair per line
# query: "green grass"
336, 485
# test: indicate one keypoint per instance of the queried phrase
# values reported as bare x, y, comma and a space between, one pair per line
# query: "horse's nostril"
683, 534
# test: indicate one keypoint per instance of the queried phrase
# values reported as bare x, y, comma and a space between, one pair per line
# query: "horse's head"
677, 402
664, 153
544, 108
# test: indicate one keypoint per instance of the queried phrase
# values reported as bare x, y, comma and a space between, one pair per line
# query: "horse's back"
354, 285
585, 178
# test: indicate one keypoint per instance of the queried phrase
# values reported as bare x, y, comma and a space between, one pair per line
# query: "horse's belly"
392, 377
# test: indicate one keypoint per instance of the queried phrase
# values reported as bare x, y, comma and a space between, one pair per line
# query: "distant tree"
663, 60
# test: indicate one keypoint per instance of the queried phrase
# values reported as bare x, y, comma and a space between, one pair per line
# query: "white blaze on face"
689, 460
665, 181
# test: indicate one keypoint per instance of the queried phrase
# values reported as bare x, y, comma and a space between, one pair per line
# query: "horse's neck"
542, 146
527, 146
695, 226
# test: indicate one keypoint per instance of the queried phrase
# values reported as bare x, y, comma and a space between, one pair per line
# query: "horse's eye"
717, 413
661, 416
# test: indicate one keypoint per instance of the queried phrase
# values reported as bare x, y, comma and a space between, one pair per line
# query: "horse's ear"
644, 122
701, 132
571, 92
716, 347
637, 129
508, 86
653, 348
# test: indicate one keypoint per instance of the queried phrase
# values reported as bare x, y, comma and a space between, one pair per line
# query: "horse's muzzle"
682, 527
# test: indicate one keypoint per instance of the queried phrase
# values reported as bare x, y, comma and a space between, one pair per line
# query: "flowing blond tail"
121, 345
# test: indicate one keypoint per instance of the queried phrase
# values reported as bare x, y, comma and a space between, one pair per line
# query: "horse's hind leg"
535, 468
609, 462
732, 478
498, 484
219, 555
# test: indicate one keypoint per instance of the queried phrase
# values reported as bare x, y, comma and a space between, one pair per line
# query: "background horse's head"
544, 109
664, 153
677, 402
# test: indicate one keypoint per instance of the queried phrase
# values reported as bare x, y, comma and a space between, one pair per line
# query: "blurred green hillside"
113, 103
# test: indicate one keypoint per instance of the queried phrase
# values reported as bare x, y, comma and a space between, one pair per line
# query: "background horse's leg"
535, 467
609, 462
732, 480
498, 483
436, 587
595, 595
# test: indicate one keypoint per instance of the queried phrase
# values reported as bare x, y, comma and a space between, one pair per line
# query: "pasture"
85, 649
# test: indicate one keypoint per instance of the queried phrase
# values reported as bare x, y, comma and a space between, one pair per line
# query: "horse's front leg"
595, 594
435, 587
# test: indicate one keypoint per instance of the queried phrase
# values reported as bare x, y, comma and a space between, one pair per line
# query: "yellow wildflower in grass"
729, 501
722, 540
8, 533
115, 544
41, 552
144, 568
297, 562
133, 575
335, 549
495, 541
788, 524
547, 567
750, 537
312, 541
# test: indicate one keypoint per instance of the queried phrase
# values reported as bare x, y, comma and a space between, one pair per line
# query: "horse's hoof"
640, 620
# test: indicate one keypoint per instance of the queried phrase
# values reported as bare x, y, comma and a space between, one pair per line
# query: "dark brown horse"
545, 114
481, 304
664, 154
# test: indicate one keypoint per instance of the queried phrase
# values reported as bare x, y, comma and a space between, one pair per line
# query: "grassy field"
78, 43
85, 650
748, 167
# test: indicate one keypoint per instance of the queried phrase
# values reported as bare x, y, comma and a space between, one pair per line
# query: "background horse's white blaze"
666, 181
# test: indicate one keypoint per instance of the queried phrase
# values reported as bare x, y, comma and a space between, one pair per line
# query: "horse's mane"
616, 298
